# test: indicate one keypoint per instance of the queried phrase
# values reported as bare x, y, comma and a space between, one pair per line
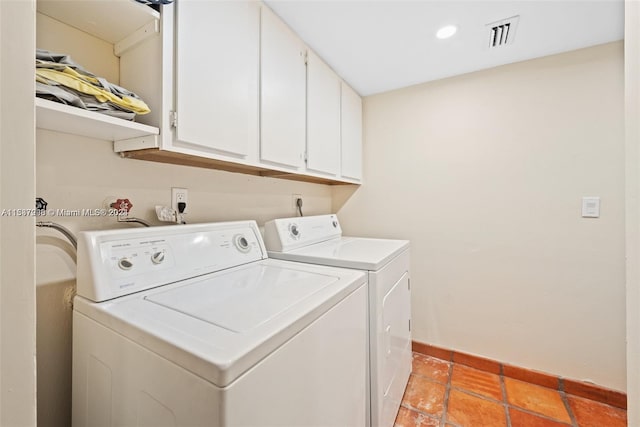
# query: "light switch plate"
591, 207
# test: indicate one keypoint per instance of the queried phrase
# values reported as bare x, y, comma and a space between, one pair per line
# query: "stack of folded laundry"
58, 78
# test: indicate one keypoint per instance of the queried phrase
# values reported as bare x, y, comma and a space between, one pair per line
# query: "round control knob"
157, 257
335, 224
241, 243
125, 264
294, 231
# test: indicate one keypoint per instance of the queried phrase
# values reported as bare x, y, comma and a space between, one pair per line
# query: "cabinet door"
351, 126
217, 66
282, 85
323, 117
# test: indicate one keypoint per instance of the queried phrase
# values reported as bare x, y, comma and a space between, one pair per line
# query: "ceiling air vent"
502, 32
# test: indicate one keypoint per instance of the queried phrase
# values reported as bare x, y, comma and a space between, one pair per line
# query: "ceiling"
381, 45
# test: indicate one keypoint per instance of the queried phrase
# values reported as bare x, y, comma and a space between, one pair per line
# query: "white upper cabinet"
283, 86
351, 126
323, 117
230, 86
216, 80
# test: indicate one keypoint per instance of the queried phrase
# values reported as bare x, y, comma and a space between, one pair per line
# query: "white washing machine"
193, 325
319, 240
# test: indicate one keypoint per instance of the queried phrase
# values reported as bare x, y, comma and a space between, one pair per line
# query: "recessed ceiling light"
446, 32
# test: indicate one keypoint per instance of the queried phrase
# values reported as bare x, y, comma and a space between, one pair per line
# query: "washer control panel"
157, 257
125, 263
285, 234
241, 243
119, 262
294, 231
130, 258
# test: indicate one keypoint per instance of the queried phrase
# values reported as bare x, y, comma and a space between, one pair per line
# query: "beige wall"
485, 173
632, 125
17, 284
75, 173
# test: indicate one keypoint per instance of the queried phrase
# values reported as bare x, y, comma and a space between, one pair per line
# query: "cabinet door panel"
323, 117
217, 57
351, 125
282, 85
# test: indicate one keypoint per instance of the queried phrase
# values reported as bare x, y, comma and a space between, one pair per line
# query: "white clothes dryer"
319, 240
193, 325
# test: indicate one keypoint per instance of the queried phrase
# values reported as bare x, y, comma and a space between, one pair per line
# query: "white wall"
484, 173
17, 283
632, 126
75, 173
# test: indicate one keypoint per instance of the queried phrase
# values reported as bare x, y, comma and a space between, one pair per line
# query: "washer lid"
349, 252
242, 300
221, 324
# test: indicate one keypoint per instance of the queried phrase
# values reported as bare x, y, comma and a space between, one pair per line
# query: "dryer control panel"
285, 234
114, 263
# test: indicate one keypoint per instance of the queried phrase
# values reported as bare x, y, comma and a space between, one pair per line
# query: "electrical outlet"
178, 195
294, 200
294, 203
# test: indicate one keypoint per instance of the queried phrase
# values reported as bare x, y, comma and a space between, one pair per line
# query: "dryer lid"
348, 252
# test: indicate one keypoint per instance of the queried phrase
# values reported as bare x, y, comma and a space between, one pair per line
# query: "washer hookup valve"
123, 206
41, 205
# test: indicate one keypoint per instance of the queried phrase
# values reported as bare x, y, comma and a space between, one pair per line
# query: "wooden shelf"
109, 20
156, 155
64, 118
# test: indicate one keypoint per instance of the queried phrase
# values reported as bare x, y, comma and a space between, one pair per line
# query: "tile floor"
447, 394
